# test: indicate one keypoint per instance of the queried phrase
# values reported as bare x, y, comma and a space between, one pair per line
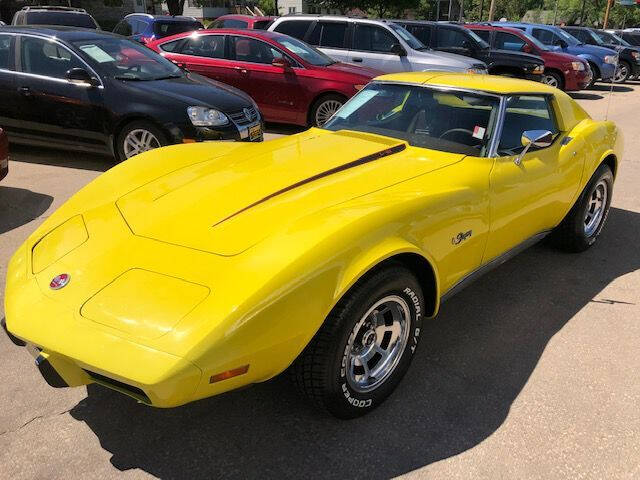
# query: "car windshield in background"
478, 39
306, 52
537, 42
126, 60
412, 41
596, 38
448, 121
61, 18
166, 29
613, 38
570, 39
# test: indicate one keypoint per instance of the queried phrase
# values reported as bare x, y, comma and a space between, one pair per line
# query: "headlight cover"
206, 117
578, 66
610, 59
538, 69
479, 69
58, 242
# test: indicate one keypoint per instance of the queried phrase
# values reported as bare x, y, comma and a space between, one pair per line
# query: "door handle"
357, 59
24, 91
240, 69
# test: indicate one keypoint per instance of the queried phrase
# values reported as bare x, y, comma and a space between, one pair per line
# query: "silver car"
378, 44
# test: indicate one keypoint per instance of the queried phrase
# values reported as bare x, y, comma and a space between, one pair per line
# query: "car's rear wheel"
365, 346
138, 137
553, 79
324, 108
584, 222
623, 70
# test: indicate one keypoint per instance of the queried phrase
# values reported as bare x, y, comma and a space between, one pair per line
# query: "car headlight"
477, 69
58, 242
358, 87
538, 70
578, 66
636, 55
206, 117
610, 59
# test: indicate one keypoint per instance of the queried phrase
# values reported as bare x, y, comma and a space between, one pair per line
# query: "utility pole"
606, 14
461, 10
555, 12
481, 9
492, 10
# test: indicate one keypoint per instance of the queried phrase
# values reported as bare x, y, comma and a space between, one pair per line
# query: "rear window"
294, 28
328, 34
165, 29
261, 24
232, 23
71, 19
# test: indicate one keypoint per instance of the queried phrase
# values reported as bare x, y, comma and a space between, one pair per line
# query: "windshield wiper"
167, 77
132, 79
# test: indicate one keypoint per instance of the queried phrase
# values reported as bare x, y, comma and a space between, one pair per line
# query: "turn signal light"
229, 374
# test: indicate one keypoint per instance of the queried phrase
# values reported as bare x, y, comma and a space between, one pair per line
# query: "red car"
561, 70
4, 154
290, 81
242, 21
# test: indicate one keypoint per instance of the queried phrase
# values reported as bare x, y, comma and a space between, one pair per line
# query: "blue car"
601, 60
145, 28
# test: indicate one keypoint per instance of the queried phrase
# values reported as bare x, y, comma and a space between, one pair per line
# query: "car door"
530, 195
331, 38
203, 54
9, 99
372, 47
53, 109
276, 90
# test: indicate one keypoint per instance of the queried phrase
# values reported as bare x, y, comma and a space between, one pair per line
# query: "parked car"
628, 57
290, 81
602, 61
145, 28
448, 37
561, 70
206, 268
378, 44
631, 38
4, 154
99, 92
68, 16
242, 21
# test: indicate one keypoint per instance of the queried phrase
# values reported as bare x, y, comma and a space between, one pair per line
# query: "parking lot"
531, 372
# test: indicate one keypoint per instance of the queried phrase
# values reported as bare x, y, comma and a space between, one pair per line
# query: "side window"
6, 62
210, 46
123, 28
371, 38
328, 34
176, 46
294, 28
422, 33
525, 112
580, 35
49, 59
545, 36
483, 34
450, 37
250, 50
509, 41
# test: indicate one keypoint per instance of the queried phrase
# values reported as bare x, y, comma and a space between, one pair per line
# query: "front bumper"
577, 79
186, 132
534, 77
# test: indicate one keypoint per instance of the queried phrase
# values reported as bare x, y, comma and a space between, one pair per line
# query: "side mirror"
398, 49
561, 43
281, 62
534, 138
526, 48
80, 76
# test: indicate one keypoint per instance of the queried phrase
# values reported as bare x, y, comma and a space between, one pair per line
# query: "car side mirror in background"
80, 76
534, 138
281, 63
397, 49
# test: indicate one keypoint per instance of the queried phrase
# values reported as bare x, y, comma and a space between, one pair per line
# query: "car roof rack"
54, 7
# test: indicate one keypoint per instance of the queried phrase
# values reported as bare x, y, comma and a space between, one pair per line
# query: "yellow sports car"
192, 270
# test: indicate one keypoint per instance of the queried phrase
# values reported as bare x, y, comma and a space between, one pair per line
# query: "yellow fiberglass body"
192, 270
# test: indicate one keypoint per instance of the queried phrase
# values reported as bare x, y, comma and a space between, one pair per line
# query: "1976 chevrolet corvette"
193, 270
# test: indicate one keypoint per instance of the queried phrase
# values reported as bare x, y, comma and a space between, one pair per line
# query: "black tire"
595, 75
330, 99
321, 371
142, 125
572, 234
558, 79
624, 70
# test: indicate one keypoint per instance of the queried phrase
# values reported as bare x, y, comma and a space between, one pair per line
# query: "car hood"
599, 52
560, 57
354, 70
193, 89
229, 203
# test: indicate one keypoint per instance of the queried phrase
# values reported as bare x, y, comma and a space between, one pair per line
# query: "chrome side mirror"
533, 138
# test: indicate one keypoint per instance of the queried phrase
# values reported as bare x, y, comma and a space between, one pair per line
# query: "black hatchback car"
68, 16
452, 38
99, 92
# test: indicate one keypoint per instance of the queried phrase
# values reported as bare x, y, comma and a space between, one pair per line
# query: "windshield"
596, 38
306, 52
447, 121
412, 41
165, 29
478, 39
69, 19
613, 38
570, 39
126, 60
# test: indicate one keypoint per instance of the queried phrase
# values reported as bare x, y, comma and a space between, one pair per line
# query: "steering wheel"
457, 130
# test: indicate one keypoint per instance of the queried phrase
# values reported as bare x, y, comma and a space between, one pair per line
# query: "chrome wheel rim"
377, 343
550, 80
326, 110
621, 73
596, 208
138, 141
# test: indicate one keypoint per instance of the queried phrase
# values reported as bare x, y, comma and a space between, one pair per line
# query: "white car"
378, 44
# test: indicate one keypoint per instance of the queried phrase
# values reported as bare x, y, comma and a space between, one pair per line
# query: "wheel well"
594, 69
318, 97
612, 163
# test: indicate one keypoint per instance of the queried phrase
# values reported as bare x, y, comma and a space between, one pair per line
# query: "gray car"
378, 44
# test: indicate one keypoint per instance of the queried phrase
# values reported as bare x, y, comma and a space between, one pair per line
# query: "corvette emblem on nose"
59, 281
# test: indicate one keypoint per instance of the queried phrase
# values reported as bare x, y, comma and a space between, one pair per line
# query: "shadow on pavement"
584, 96
19, 206
474, 360
60, 158
606, 87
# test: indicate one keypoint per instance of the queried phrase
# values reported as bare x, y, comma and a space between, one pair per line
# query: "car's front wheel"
623, 70
365, 345
324, 108
138, 137
553, 79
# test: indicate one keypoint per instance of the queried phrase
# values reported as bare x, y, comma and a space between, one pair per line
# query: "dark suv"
145, 28
66, 16
453, 38
628, 57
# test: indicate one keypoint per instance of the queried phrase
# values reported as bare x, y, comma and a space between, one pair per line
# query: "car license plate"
255, 132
